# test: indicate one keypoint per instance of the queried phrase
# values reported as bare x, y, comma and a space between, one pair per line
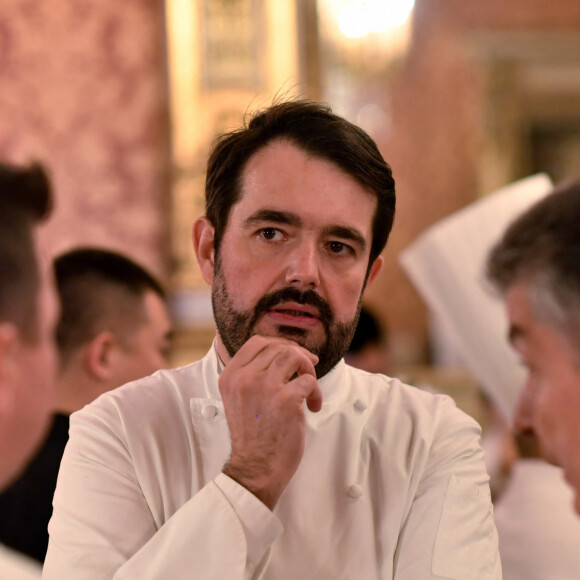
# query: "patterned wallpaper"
82, 89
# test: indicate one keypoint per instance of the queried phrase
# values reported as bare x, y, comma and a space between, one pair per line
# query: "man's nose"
303, 269
524, 413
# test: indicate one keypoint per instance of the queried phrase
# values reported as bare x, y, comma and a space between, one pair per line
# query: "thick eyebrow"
347, 233
292, 219
272, 215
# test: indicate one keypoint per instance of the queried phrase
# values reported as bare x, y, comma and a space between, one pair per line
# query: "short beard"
236, 327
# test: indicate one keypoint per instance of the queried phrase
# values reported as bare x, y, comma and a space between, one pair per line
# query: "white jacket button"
355, 491
359, 405
209, 412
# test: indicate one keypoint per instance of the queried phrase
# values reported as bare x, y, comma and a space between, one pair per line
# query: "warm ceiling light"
359, 18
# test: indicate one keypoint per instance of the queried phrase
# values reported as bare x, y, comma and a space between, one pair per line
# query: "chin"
298, 335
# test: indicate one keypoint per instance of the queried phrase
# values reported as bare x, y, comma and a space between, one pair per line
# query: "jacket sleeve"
103, 527
449, 531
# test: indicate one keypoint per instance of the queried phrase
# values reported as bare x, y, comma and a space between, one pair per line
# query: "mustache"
290, 294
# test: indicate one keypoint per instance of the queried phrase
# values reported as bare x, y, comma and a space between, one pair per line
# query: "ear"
375, 269
98, 356
203, 243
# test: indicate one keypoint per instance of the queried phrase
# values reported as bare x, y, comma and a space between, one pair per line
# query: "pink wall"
82, 90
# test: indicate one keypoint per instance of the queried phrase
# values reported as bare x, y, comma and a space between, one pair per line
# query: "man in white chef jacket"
271, 458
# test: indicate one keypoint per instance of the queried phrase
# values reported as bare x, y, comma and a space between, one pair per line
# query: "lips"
293, 314
293, 309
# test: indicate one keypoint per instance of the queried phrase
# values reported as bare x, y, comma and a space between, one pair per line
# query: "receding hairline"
350, 233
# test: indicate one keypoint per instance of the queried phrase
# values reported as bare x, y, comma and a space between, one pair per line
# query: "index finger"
257, 344
311, 392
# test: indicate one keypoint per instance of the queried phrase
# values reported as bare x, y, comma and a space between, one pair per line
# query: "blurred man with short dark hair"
28, 313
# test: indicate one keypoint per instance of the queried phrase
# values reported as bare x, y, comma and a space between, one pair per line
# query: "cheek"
147, 359
344, 297
246, 285
37, 392
45, 363
158, 361
145, 363
555, 415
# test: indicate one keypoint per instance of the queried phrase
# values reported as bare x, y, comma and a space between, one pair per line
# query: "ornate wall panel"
82, 90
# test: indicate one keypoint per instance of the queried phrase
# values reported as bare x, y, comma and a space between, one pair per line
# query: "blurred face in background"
147, 349
549, 404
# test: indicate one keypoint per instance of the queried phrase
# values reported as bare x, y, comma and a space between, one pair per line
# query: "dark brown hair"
541, 248
25, 200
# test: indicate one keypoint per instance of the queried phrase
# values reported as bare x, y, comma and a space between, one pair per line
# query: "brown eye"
339, 248
269, 234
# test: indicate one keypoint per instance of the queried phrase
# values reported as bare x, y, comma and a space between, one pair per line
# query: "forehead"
282, 176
